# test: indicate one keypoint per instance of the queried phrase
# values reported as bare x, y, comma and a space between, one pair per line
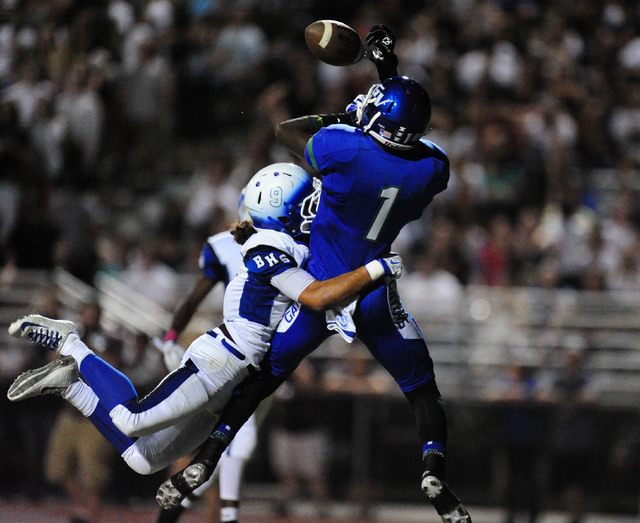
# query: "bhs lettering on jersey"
269, 259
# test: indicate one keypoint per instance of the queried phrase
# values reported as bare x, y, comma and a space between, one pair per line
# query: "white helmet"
273, 197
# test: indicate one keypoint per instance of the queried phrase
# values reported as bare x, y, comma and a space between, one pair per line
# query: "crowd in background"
127, 129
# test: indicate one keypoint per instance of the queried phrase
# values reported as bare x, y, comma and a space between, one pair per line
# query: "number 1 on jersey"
388, 195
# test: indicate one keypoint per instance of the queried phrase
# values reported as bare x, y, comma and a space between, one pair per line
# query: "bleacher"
471, 344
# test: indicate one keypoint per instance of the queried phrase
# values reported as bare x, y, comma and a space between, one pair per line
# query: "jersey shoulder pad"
267, 237
268, 253
437, 151
335, 143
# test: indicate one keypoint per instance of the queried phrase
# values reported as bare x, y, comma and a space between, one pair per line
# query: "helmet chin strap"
361, 107
367, 127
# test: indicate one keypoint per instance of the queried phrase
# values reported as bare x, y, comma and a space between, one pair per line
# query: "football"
333, 42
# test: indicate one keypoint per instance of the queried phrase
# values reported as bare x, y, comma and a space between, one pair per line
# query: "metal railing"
472, 337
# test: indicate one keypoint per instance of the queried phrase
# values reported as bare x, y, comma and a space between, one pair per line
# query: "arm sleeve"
292, 282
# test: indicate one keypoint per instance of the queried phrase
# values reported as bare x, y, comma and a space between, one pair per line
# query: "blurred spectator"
150, 277
298, 441
19, 160
49, 136
432, 287
32, 424
526, 253
573, 431
564, 232
146, 97
33, 241
78, 217
27, 89
357, 373
142, 363
624, 121
210, 190
78, 458
236, 62
82, 108
521, 433
495, 255
359, 380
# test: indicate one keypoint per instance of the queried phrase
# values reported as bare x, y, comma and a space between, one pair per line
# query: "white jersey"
270, 280
220, 259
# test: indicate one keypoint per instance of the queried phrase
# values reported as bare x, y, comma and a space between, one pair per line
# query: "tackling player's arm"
319, 295
325, 294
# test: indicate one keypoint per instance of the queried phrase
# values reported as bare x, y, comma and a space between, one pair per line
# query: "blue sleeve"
264, 262
211, 266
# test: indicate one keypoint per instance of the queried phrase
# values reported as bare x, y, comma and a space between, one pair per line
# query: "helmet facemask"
310, 206
395, 113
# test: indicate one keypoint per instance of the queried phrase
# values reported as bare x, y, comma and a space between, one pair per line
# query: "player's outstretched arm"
381, 42
321, 295
295, 133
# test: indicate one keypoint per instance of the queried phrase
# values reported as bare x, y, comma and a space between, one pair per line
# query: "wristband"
172, 335
375, 269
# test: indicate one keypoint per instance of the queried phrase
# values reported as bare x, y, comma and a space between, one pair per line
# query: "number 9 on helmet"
274, 196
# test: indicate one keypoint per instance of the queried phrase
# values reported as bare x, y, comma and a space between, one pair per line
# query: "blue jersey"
368, 195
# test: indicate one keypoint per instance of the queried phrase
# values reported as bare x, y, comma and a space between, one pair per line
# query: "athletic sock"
75, 347
228, 514
80, 395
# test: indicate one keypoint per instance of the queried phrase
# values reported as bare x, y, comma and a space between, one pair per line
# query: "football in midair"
334, 42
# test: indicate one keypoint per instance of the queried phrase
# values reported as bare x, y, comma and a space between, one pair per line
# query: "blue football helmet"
396, 112
274, 197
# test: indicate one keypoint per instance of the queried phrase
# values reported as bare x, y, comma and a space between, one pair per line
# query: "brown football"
334, 42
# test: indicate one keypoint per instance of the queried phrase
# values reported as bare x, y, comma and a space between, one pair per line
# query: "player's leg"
395, 340
298, 334
229, 475
209, 374
181, 394
231, 468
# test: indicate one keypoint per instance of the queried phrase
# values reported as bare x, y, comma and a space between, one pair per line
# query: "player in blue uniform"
378, 174
176, 417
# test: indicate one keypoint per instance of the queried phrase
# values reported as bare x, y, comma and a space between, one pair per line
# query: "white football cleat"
53, 378
43, 331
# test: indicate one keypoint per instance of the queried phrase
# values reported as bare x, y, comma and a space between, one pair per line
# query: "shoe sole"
28, 384
171, 493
